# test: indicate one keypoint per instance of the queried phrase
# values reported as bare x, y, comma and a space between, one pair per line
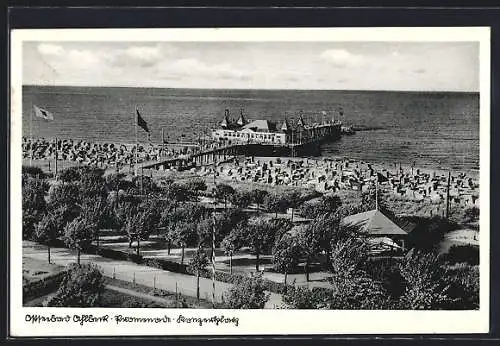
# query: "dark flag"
141, 122
381, 178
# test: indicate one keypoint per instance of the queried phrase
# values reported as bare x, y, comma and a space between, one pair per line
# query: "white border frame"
258, 321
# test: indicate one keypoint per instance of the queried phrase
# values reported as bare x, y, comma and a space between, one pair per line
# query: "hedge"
463, 254
39, 288
166, 265
269, 285
132, 257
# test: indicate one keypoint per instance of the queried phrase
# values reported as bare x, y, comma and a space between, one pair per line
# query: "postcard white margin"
264, 322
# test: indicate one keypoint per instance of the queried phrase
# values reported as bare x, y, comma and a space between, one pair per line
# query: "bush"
33, 171
82, 286
137, 303
471, 214
165, 265
428, 232
386, 271
39, 288
426, 285
463, 254
108, 253
135, 258
464, 287
301, 298
248, 294
269, 285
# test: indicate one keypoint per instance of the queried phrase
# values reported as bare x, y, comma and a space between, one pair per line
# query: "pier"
307, 144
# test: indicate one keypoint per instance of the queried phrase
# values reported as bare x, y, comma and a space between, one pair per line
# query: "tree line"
74, 209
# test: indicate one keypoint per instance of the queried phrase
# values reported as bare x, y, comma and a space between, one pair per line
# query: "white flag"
42, 113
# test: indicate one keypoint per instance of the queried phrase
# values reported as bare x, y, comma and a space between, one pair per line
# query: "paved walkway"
144, 275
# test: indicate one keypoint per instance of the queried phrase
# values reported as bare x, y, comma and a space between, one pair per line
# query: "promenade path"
144, 275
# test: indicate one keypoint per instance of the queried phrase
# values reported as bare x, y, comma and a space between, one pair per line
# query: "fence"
155, 279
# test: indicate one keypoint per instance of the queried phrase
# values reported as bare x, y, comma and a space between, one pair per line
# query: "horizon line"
269, 89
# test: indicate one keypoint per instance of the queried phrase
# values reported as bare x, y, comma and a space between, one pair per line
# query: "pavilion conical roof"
285, 126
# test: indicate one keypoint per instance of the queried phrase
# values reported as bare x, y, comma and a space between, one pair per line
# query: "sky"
402, 66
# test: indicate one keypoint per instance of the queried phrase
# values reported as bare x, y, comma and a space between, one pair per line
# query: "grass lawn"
113, 299
168, 297
109, 299
34, 270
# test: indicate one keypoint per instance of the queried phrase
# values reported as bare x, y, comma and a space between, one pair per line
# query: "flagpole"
162, 142
213, 236
55, 163
376, 191
136, 143
31, 137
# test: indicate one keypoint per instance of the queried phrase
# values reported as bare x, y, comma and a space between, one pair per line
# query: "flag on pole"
141, 122
381, 178
42, 113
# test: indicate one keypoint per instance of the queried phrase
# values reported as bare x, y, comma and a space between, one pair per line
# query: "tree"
78, 235
33, 204
224, 192
248, 294
116, 181
275, 203
196, 185
138, 227
309, 245
286, 255
185, 232
33, 172
325, 205
82, 286
228, 220
464, 287
258, 197
204, 230
428, 233
301, 298
168, 221
94, 210
294, 199
425, 285
471, 214
241, 199
178, 193
92, 182
230, 244
49, 229
328, 229
66, 197
152, 207
70, 175
281, 228
351, 285
197, 265
259, 235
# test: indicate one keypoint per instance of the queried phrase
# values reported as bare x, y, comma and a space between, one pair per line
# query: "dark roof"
301, 122
373, 222
261, 126
241, 120
225, 122
285, 126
